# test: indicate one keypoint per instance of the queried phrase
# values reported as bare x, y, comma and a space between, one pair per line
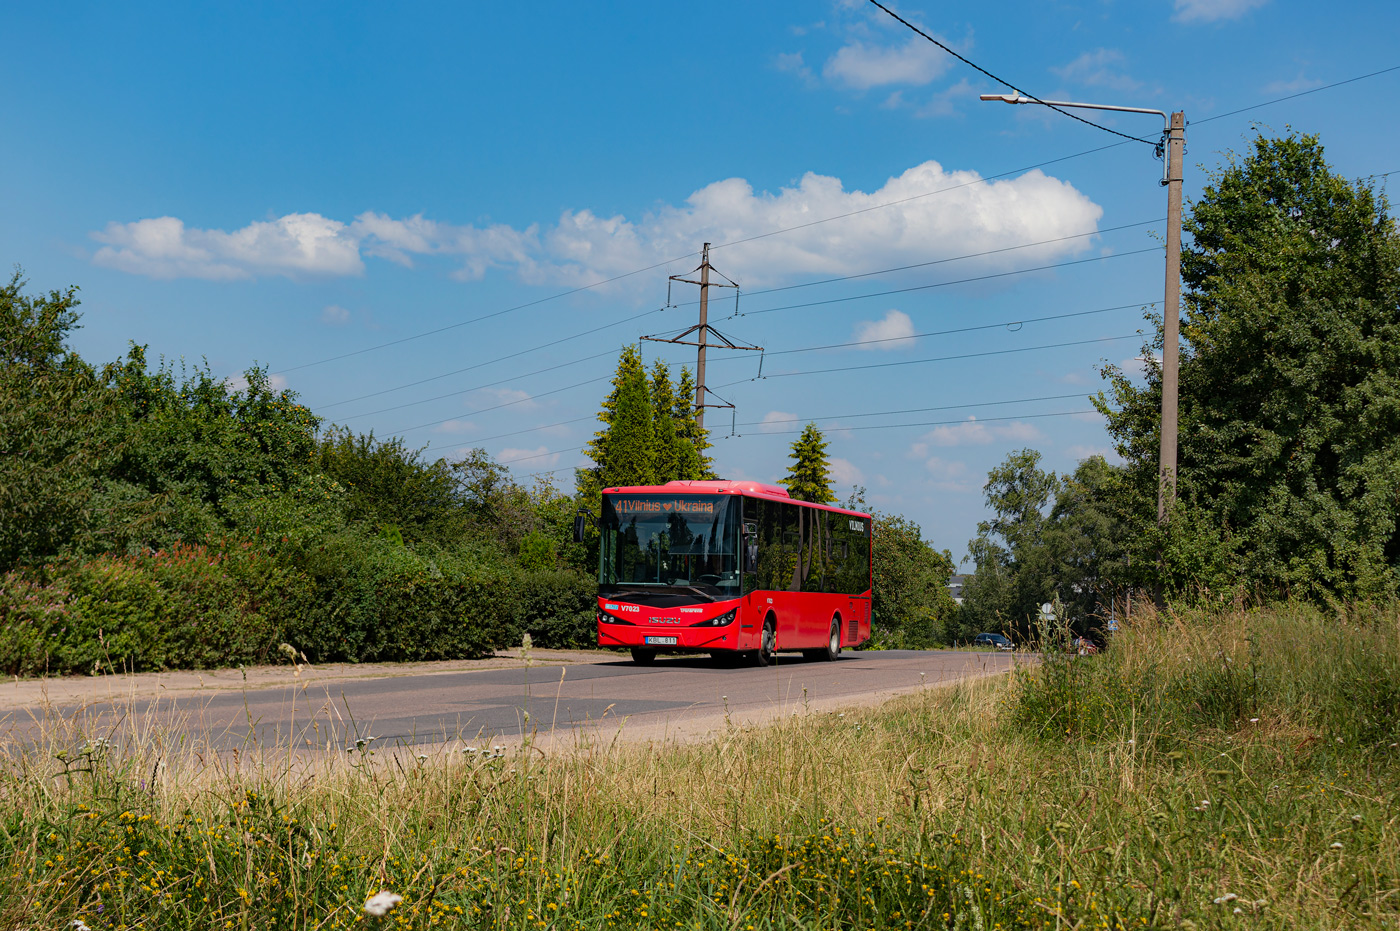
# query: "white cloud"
1103, 67
944, 102
894, 331
511, 396
777, 422
538, 458
962, 214
792, 63
1076, 378
296, 245
455, 426
479, 249
972, 432
1211, 11
844, 473
1298, 84
862, 66
335, 315
948, 475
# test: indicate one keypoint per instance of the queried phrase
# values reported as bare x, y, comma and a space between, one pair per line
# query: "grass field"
1206, 771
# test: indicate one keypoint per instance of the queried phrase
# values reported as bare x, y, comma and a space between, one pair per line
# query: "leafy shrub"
557, 608
188, 606
378, 601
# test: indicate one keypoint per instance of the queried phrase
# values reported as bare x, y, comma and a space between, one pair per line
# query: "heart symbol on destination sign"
667, 505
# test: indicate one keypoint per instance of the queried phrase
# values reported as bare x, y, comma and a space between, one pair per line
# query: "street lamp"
1174, 131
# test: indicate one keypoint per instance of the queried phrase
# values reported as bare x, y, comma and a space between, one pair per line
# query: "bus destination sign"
662, 506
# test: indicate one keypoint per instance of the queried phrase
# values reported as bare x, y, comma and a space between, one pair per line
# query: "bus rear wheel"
832, 650
767, 653
643, 657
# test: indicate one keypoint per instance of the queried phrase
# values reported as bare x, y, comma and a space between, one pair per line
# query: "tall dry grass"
1206, 771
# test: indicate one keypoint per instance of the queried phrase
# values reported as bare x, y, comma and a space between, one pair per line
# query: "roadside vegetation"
1219, 770
156, 516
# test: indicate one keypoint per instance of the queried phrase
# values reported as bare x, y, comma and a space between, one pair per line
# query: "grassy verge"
1205, 772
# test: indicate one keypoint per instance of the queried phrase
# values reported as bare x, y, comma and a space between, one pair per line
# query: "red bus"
730, 569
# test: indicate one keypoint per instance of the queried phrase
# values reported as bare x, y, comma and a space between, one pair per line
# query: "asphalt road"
676, 698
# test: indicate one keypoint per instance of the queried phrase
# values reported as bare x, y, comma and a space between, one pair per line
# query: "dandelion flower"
381, 903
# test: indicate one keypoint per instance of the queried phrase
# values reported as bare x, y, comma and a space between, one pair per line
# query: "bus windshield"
673, 544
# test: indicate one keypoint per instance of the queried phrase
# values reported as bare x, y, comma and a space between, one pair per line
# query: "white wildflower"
1337, 845
77, 925
1227, 897
381, 903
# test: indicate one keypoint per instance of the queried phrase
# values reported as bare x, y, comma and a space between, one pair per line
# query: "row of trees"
1289, 444
161, 516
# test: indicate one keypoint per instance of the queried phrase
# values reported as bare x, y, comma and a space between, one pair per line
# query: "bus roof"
749, 489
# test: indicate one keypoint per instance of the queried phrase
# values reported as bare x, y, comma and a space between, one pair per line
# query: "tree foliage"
809, 478
1052, 539
1289, 399
650, 435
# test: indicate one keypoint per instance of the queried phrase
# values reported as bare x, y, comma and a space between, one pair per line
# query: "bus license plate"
662, 641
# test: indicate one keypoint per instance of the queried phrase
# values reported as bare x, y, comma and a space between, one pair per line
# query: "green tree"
1290, 404
666, 452
809, 478
1013, 572
692, 442
57, 427
624, 450
388, 485
911, 606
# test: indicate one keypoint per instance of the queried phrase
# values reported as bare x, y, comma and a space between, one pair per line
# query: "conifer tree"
623, 449
691, 461
665, 458
809, 479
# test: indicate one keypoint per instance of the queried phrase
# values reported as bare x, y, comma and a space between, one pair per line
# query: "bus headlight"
724, 620
606, 618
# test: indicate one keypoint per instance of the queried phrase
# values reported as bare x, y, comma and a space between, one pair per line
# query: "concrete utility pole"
1171, 317
1172, 149
703, 331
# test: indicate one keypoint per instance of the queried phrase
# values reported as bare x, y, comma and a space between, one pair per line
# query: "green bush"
558, 608
187, 607
379, 601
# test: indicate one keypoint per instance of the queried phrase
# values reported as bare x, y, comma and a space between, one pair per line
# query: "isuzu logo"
665, 620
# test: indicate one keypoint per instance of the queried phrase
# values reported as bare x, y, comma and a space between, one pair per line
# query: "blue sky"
285, 184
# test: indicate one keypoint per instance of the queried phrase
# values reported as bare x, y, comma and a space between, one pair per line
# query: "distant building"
955, 587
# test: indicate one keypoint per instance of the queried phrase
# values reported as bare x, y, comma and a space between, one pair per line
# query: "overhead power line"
1004, 82
734, 242
954, 258
887, 426
629, 319
966, 355
945, 284
1267, 103
867, 342
801, 226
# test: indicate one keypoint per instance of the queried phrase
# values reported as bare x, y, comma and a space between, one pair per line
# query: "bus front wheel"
643, 657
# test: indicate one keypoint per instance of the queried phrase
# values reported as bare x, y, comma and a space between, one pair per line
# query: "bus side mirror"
579, 520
